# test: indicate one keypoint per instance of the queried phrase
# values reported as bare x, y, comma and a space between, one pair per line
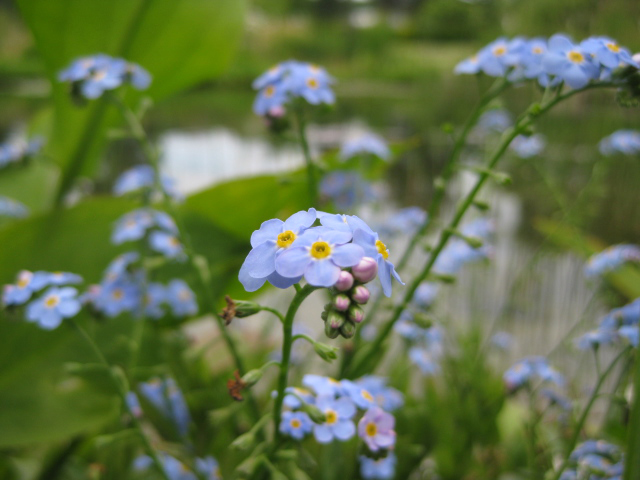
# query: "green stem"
275, 312
373, 349
123, 398
287, 342
311, 173
585, 412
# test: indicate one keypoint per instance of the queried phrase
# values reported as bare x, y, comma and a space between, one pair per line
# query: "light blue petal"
269, 230
323, 433
344, 430
345, 408
261, 260
554, 63
575, 76
249, 283
279, 281
384, 274
69, 308
300, 221
292, 262
50, 320
347, 255
322, 273
560, 43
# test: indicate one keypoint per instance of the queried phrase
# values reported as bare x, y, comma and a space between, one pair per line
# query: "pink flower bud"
366, 270
356, 314
345, 281
341, 302
335, 320
360, 294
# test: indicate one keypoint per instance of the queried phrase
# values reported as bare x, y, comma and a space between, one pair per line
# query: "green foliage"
446, 20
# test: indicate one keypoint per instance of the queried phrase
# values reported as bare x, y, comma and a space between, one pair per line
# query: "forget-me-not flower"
374, 248
626, 142
570, 62
55, 305
376, 429
296, 424
167, 398
166, 243
12, 208
368, 143
358, 394
323, 386
181, 298
209, 468
378, 469
338, 422
611, 259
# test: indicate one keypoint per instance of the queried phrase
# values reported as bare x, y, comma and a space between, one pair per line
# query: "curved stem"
585, 412
373, 349
287, 341
311, 174
123, 398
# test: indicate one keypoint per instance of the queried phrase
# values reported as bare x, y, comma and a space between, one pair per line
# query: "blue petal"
279, 281
554, 63
347, 255
560, 43
69, 308
384, 274
575, 76
292, 262
322, 273
345, 408
269, 230
344, 430
261, 260
249, 283
323, 433
300, 221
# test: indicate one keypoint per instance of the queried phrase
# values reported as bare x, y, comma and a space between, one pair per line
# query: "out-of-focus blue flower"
526, 369
570, 62
358, 394
376, 428
26, 284
528, 146
368, 143
268, 242
607, 52
626, 315
295, 424
60, 278
381, 469
318, 255
16, 151
56, 304
530, 63
345, 189
120, 265
502, 340
209, 468
425, 360
174, 468
374, 248
595, 338
594, 464
338, 422
292, 79
630, 333
155, 296
293, 395
166, 243
626, 142
405, 221
323, 386
556, 398
387, 398
494, 121
133, 404
143, 177
495, 59
167, 398
425, 295
598, 447
181, 298
95, 74
12, 208
611, 259
132, 226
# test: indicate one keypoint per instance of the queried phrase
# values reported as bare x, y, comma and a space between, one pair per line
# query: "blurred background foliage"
394, 62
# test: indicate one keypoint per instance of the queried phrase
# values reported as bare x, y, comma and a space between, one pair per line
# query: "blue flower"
524, 370
374, 248
167, 398
626, 315
272, 239
174, 468
502, 340
121, 264
607, 52
425, 360
209, 468
97, 73
343, 223
358, 394
381, 469
56, 304
26, 284
500, 55
293, 401
117, 296
155, 296
318, 255
289, 80
133, 404
12, 208
387, 398
132, 226
295, 424
365, 144
598, 447
323, 386
18, 151
376, 428
405, 221
425, 295
181, 298
596, 338
338, 422
611, 259
140, 176
346, 189
166, 243
626, 142
569, 62
630, 333
528, 146
494, 121
468, 66
556, 398
530, 62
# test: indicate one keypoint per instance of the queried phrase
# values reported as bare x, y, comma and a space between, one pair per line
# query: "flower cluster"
12, 208
403, 222
524, 371
425, 340
345, 189
595, 459
167, 399
550, 62
12, 153
142, 178
289, 80
206, 468
626, 142
157, 226
619, 324
58, 302
91, 76
286, 251
367, 144
611, 259
339, 401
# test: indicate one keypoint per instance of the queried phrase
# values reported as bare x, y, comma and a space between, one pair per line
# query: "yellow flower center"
295, 423
382, 248
371, 429
499, 51
117, 294
173, 241
184, 295
285, 239
99, 75
320, 250
23, 282
312, 83
537, 50
332, 416
366, 395
269, 91
51, 301
575, 57
613, 47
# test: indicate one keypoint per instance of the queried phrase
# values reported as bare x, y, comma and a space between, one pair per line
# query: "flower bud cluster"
344, 312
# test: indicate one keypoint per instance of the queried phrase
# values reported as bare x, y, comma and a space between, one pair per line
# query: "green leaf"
179, 43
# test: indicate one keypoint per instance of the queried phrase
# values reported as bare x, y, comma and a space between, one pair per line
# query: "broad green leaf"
180, 43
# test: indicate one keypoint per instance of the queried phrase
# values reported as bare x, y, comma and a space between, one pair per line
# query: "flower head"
378, 469
368, 143
570, 62
528, 146
12, 208
181, 298
338, 424
376, 429
209, 468
358, 394
611, 259
55, 305
626, 142
295, 424
323, 386
167, 398
374, 248
26, 284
